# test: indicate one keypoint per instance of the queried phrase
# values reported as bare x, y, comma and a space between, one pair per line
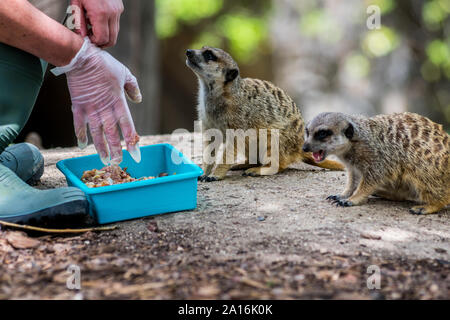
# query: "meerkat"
227, 101
401, 156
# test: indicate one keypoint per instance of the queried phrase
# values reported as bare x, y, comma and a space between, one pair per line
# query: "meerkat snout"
192, 61
189, 53
306, 148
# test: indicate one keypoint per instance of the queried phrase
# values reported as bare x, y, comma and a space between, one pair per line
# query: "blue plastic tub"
140, 198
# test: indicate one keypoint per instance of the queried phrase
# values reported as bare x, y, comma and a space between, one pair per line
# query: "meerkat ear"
231, 75
349, 132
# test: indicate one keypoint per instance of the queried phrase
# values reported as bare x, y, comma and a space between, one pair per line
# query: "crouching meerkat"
401, 156
227, 101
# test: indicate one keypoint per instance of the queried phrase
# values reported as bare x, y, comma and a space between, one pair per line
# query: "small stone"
208, 291
299, 277
261, 218
440, 250
434, 288
153, 226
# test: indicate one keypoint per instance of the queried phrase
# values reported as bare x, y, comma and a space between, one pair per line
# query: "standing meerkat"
402, 156
227, 101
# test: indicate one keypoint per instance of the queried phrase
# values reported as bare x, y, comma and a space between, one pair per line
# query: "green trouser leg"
21, 77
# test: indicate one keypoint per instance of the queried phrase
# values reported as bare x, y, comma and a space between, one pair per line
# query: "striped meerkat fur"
401, 156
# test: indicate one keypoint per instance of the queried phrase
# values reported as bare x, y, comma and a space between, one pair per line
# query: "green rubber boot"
25, 160
22, 204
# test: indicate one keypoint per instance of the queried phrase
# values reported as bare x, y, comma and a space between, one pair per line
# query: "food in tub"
110, 175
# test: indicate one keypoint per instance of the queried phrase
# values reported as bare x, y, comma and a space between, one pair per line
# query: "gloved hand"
97, 84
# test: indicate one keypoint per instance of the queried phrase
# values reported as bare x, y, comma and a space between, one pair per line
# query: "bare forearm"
25, 27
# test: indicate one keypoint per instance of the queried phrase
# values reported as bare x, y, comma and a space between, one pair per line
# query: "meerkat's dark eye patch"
322, 134
349, 132
231, 75
208, 55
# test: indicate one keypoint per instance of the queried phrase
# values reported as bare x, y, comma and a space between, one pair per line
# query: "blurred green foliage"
243, 33
241, 30
357, 66
169, 13
318, 23
380, 42
435, 12
386, 6
242, 27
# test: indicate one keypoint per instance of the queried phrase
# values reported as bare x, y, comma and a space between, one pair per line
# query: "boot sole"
64, 214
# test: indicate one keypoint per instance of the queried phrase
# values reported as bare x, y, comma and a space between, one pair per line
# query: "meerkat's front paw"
424, 209
261, 171
417, 210
208, 178
251, 173
342, 203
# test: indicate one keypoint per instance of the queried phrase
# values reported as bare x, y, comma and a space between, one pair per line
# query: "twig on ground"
24, 227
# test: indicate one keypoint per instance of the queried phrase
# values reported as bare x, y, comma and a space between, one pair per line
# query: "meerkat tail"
326, 164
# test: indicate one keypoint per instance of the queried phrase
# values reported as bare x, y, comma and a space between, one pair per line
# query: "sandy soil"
270, 237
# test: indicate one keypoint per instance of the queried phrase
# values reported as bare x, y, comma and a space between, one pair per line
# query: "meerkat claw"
416, 211
250, 174
342, 203
335, 198
207, 178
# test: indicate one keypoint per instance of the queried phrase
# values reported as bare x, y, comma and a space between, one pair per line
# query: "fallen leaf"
20, 240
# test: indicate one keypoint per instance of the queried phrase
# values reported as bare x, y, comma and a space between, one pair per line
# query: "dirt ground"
249, 238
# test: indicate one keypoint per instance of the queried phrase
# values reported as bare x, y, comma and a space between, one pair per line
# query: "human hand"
103, 16
97, 83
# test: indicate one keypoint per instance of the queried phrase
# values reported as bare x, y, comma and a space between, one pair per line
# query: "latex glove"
97, 84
